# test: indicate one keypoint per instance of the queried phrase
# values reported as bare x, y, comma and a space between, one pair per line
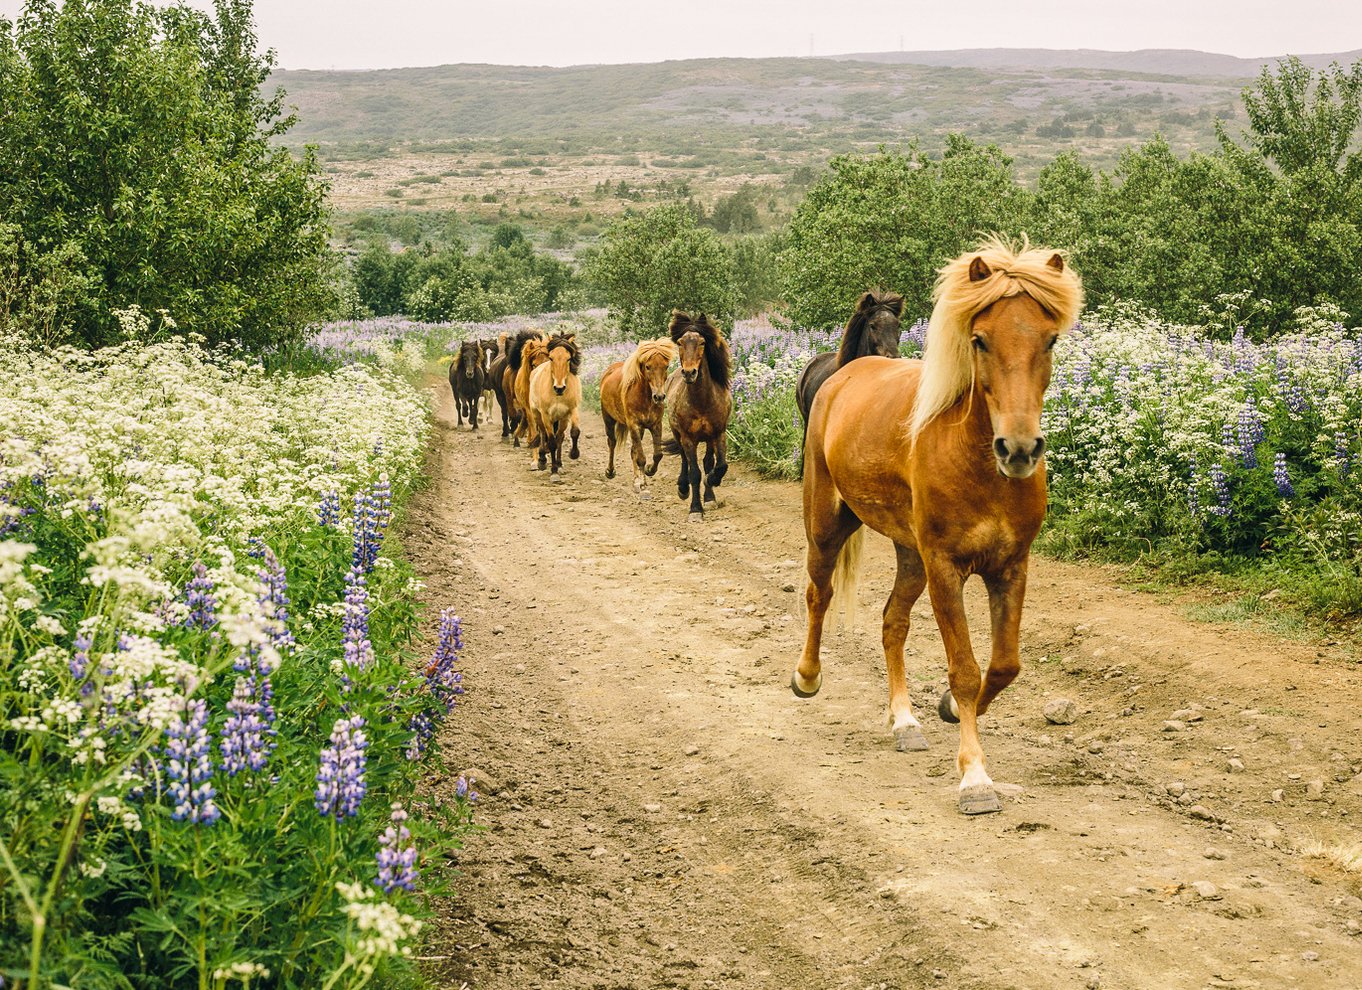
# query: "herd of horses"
943, 455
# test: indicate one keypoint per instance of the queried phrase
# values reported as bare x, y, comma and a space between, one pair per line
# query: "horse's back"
811, 379
612, 397
858, 426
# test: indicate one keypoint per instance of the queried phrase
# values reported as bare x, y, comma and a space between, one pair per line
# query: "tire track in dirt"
666, 814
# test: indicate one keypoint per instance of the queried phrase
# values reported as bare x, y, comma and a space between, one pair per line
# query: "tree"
650, 263
137, 140
891, 220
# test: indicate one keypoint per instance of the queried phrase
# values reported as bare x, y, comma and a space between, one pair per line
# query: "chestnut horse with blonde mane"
944, 457
534, 353
633, 397
698, 393
512, 414
554, 399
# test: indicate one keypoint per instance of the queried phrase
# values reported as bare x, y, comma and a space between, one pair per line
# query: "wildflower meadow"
212, 716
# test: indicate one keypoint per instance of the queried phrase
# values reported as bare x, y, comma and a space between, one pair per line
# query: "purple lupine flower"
1342, 452
79, 663
190, 767
198, 595
396, 855
1280, 476
1221, 486
340, 777
1250, 433
274, 601
1245, 354
243, 735
359, 651
1193, 496
328, 510
463, 789
442, 680
255, 547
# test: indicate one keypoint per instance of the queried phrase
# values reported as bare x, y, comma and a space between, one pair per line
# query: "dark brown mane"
854, 342
716, 348
518, 345
569, 341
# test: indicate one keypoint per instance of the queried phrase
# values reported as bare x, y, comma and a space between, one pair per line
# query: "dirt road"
662, 812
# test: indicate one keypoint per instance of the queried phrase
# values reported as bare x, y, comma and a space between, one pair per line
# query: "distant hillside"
1153, 61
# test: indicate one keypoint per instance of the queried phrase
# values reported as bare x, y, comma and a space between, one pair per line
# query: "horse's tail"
671, 446
846, 575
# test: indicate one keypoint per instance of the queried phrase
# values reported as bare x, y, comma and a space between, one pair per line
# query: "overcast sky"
369, 34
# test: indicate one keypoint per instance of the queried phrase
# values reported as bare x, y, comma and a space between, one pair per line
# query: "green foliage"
891, 220
651, 263
137, 154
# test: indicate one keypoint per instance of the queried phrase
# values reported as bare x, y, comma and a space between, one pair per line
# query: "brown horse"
513, 414
943, 456
554, 400
700, 406
872, 329
633, 397
532, 355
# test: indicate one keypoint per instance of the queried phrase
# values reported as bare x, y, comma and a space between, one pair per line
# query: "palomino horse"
872, 329
466, 378
943, 456
700, 406
555, 397
516, 413
633, 396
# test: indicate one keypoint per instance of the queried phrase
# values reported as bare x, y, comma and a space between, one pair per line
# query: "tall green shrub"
138, 141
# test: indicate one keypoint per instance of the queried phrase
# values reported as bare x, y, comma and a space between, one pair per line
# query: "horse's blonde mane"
633, 364
948, 364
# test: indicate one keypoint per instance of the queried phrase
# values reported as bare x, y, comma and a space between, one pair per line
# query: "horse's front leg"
709, 471
908, 584
576, 431
1006, 592
946, 586
682, 478
657, 450
690, 453
636, 455
720, 460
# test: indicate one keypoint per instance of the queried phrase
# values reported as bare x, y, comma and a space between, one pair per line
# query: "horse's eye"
1051, 345
979, 343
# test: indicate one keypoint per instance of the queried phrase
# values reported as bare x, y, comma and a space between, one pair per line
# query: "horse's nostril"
1000, 448
1039, 448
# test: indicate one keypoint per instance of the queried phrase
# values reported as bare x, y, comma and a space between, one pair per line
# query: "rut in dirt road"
661, 812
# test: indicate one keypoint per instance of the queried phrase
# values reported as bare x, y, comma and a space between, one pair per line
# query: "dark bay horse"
466, 378
698, 394
633, 398
872, 329
944, 457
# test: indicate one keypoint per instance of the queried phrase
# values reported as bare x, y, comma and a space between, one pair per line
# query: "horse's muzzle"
1017, 458
691, 376
659, 397
559, 389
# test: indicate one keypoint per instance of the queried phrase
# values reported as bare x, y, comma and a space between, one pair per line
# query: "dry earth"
660, 811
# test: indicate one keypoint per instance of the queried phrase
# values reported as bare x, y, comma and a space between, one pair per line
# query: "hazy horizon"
358, 35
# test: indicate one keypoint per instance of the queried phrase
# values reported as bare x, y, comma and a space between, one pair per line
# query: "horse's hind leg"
636, 456
946, 584
474, 407
720, 461
611, 438
828, 527
908, 584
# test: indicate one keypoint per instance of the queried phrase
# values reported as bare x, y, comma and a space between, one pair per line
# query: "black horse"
872, 329
466, 377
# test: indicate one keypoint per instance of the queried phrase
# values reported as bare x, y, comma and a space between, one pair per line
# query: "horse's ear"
894, 304
978, 271
866, 301
1056, 262
702, 319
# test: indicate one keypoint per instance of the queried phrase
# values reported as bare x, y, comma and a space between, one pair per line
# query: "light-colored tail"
846, 575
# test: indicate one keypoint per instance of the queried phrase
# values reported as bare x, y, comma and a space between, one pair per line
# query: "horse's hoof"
946, 708
683, 493
609, 474
644, 495
696, 517
574, 453
909, 739
801, 688
709, 496
650, 471
557, 479
979, 799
